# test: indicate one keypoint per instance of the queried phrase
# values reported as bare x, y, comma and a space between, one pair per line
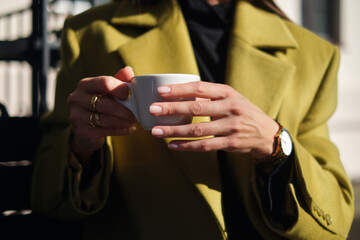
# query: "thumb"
125, 74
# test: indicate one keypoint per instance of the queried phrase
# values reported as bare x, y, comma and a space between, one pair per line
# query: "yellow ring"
91, 120
97, 120
94, 100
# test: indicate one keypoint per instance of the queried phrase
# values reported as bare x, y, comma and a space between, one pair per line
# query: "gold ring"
91, 119
95, 116
97, 120
94, 100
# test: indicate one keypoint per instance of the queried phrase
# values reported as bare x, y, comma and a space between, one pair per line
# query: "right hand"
115, 119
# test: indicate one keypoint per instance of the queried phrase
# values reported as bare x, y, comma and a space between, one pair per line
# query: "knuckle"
196, 108
200, 87
228, 91
168, 109
106, 83
196, 131
236, 111
103, 82
168, 131
231, 92
71, 99
204, 146
82, 83
236, 108
228, 88
232, 144
235, 128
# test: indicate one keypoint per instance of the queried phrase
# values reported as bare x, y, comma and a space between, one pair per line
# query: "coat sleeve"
56, 176
318, 198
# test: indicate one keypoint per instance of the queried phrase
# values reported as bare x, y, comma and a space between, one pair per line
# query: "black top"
209, 28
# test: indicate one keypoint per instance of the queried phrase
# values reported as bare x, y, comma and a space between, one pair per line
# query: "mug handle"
130, 102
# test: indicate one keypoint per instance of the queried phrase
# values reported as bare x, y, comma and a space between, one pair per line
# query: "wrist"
266, 146
282, 149
84, 149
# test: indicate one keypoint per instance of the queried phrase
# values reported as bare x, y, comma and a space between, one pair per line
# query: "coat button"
316, 208
328, 219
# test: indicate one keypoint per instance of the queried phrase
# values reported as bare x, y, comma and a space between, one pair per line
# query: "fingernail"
157, 132
155, 109
163, 90
173, 145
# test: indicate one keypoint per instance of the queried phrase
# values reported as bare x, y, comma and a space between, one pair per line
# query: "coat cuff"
89, 198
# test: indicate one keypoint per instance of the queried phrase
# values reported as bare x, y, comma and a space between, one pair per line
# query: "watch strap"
277, 157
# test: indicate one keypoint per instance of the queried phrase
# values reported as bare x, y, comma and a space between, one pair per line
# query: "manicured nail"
173, 145
163, 90
157, 132
155, 109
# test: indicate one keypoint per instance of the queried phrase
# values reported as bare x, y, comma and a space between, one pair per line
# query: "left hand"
237, 124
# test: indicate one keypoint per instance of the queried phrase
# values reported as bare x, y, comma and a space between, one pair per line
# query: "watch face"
286, 143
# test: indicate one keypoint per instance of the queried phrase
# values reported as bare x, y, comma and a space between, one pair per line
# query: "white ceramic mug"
144, 92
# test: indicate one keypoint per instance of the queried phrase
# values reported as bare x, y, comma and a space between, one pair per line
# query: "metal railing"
29, 52
35, 50
29, 45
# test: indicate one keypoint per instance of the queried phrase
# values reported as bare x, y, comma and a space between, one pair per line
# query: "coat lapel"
165, 47
256, 74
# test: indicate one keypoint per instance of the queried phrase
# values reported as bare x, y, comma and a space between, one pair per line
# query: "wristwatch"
283, 150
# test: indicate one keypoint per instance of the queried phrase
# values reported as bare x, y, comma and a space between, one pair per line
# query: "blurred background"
29, 59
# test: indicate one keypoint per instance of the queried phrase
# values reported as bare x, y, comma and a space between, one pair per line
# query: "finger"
206, 145
109, 106
109, 121
125, 74
191, 108
104, 104
187, 131
88, 132
220, 127
83, 128
201, 89
83, 117
105, 85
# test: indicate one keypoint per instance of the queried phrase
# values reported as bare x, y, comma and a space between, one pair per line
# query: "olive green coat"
290, 73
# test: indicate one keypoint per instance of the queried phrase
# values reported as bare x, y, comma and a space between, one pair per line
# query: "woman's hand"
114, 119
237, 124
